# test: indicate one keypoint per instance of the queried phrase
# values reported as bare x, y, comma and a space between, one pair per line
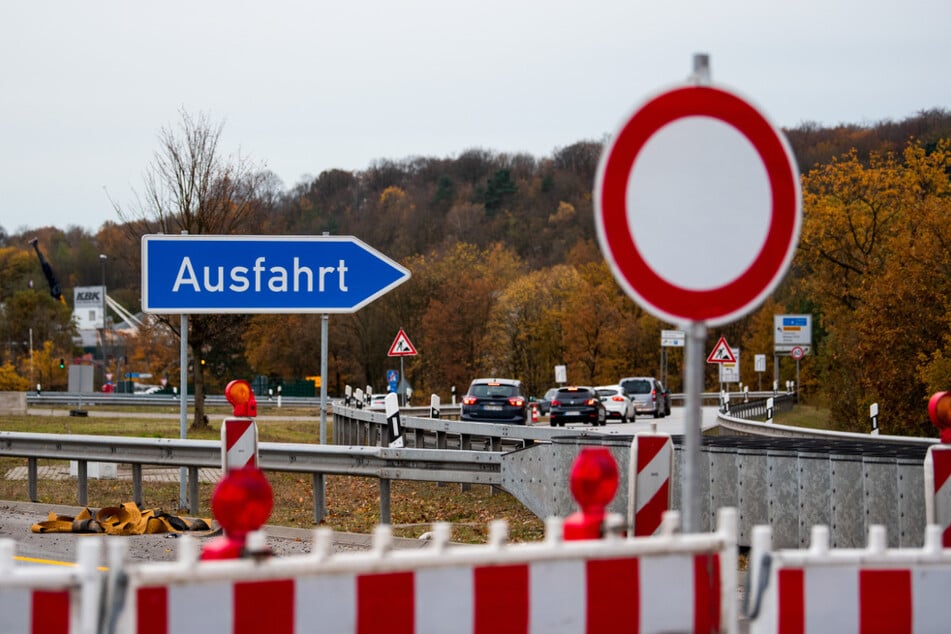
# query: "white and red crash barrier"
649, 492
671, 582
874, 589
51, 600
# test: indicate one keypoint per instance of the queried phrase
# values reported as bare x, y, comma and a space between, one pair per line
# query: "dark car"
649, 395
544, 403
578, 405
495, 401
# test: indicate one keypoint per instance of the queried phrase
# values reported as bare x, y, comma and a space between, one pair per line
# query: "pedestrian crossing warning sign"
402, 346
722, 353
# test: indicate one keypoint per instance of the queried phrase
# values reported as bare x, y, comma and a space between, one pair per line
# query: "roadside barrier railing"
668, 582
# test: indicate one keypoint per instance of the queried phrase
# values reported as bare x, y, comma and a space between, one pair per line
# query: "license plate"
493, 408
573, 413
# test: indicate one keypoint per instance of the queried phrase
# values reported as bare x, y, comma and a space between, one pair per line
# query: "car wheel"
656, 413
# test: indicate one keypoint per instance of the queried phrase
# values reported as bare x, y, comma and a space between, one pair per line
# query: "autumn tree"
460, 287
874, 257
190, 187
523, 337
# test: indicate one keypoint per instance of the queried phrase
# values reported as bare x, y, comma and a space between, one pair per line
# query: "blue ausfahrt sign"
263, 274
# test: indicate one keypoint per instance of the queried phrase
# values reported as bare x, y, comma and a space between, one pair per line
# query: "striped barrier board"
239, 444
655, 584
938, 489
849, 590
50, 600
651, 468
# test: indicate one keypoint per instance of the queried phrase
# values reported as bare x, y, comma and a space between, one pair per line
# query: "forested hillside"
507, 278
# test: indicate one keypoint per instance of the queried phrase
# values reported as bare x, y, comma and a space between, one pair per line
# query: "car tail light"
653, 395
469, 400
556, 403
591, 401
617, 398
516, 401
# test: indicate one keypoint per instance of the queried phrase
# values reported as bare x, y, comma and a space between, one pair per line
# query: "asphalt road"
16, 518
673, 424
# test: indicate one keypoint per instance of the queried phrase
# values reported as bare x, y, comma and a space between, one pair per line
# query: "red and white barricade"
671, 582
938, 489
874, 589
649, 493
54, 600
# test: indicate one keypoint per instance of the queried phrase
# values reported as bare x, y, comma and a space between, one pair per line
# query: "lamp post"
102, 260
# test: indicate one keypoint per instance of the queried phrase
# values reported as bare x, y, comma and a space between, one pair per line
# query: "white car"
378, 402
616, 402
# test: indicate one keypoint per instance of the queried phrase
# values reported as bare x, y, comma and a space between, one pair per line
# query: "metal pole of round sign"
698, 206
698, 211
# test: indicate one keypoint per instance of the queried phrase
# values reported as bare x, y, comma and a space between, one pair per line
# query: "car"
544, 403
617, 403
377, 402
577, 404
648, 394
492, 400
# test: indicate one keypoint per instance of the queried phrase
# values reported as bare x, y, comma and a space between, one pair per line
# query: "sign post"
402, 347
705, 159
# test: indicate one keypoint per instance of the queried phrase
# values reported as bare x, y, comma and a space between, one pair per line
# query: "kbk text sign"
263, 274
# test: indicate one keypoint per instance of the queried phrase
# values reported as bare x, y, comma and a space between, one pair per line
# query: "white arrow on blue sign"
263, 274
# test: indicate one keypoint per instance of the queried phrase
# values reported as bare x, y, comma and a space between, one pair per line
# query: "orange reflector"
939, 410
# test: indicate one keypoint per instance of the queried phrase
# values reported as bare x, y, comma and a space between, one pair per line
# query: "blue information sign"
263, 274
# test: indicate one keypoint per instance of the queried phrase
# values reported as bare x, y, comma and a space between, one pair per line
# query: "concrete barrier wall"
12, 402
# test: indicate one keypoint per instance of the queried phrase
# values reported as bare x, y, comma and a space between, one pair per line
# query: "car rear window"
637, 387
493, 390
575, 393
607, 392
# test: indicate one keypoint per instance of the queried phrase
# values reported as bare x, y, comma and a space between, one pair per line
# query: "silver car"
648, 394
616, 402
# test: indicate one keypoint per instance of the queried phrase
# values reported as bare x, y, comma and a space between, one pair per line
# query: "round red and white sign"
797, 353
698, 206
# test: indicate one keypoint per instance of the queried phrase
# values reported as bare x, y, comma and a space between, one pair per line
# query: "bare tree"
190, 187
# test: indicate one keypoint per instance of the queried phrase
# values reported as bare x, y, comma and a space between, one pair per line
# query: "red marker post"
243, 500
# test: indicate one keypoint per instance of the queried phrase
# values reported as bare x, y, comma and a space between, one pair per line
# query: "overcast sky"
302, 87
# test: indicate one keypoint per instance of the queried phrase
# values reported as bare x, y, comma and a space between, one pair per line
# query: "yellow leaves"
566, 211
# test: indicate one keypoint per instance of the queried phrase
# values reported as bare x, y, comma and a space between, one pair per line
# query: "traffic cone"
534, 413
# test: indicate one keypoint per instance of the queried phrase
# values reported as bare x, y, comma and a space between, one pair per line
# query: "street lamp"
102, 260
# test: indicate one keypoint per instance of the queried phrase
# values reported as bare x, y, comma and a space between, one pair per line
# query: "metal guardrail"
470, 467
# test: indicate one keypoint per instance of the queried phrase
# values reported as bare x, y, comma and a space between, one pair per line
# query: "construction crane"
48, 273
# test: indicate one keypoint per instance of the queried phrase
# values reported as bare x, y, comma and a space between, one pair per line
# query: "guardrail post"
82, 482
384, 501
137, 483
32, 479
320, 499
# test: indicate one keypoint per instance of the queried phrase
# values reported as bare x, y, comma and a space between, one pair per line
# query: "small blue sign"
392, 379
263, 274
795, 321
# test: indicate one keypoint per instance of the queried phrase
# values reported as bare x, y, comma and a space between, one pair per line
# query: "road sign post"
402, 347
704, 158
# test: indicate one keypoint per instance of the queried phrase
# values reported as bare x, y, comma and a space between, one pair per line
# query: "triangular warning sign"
402, 347
722, 353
